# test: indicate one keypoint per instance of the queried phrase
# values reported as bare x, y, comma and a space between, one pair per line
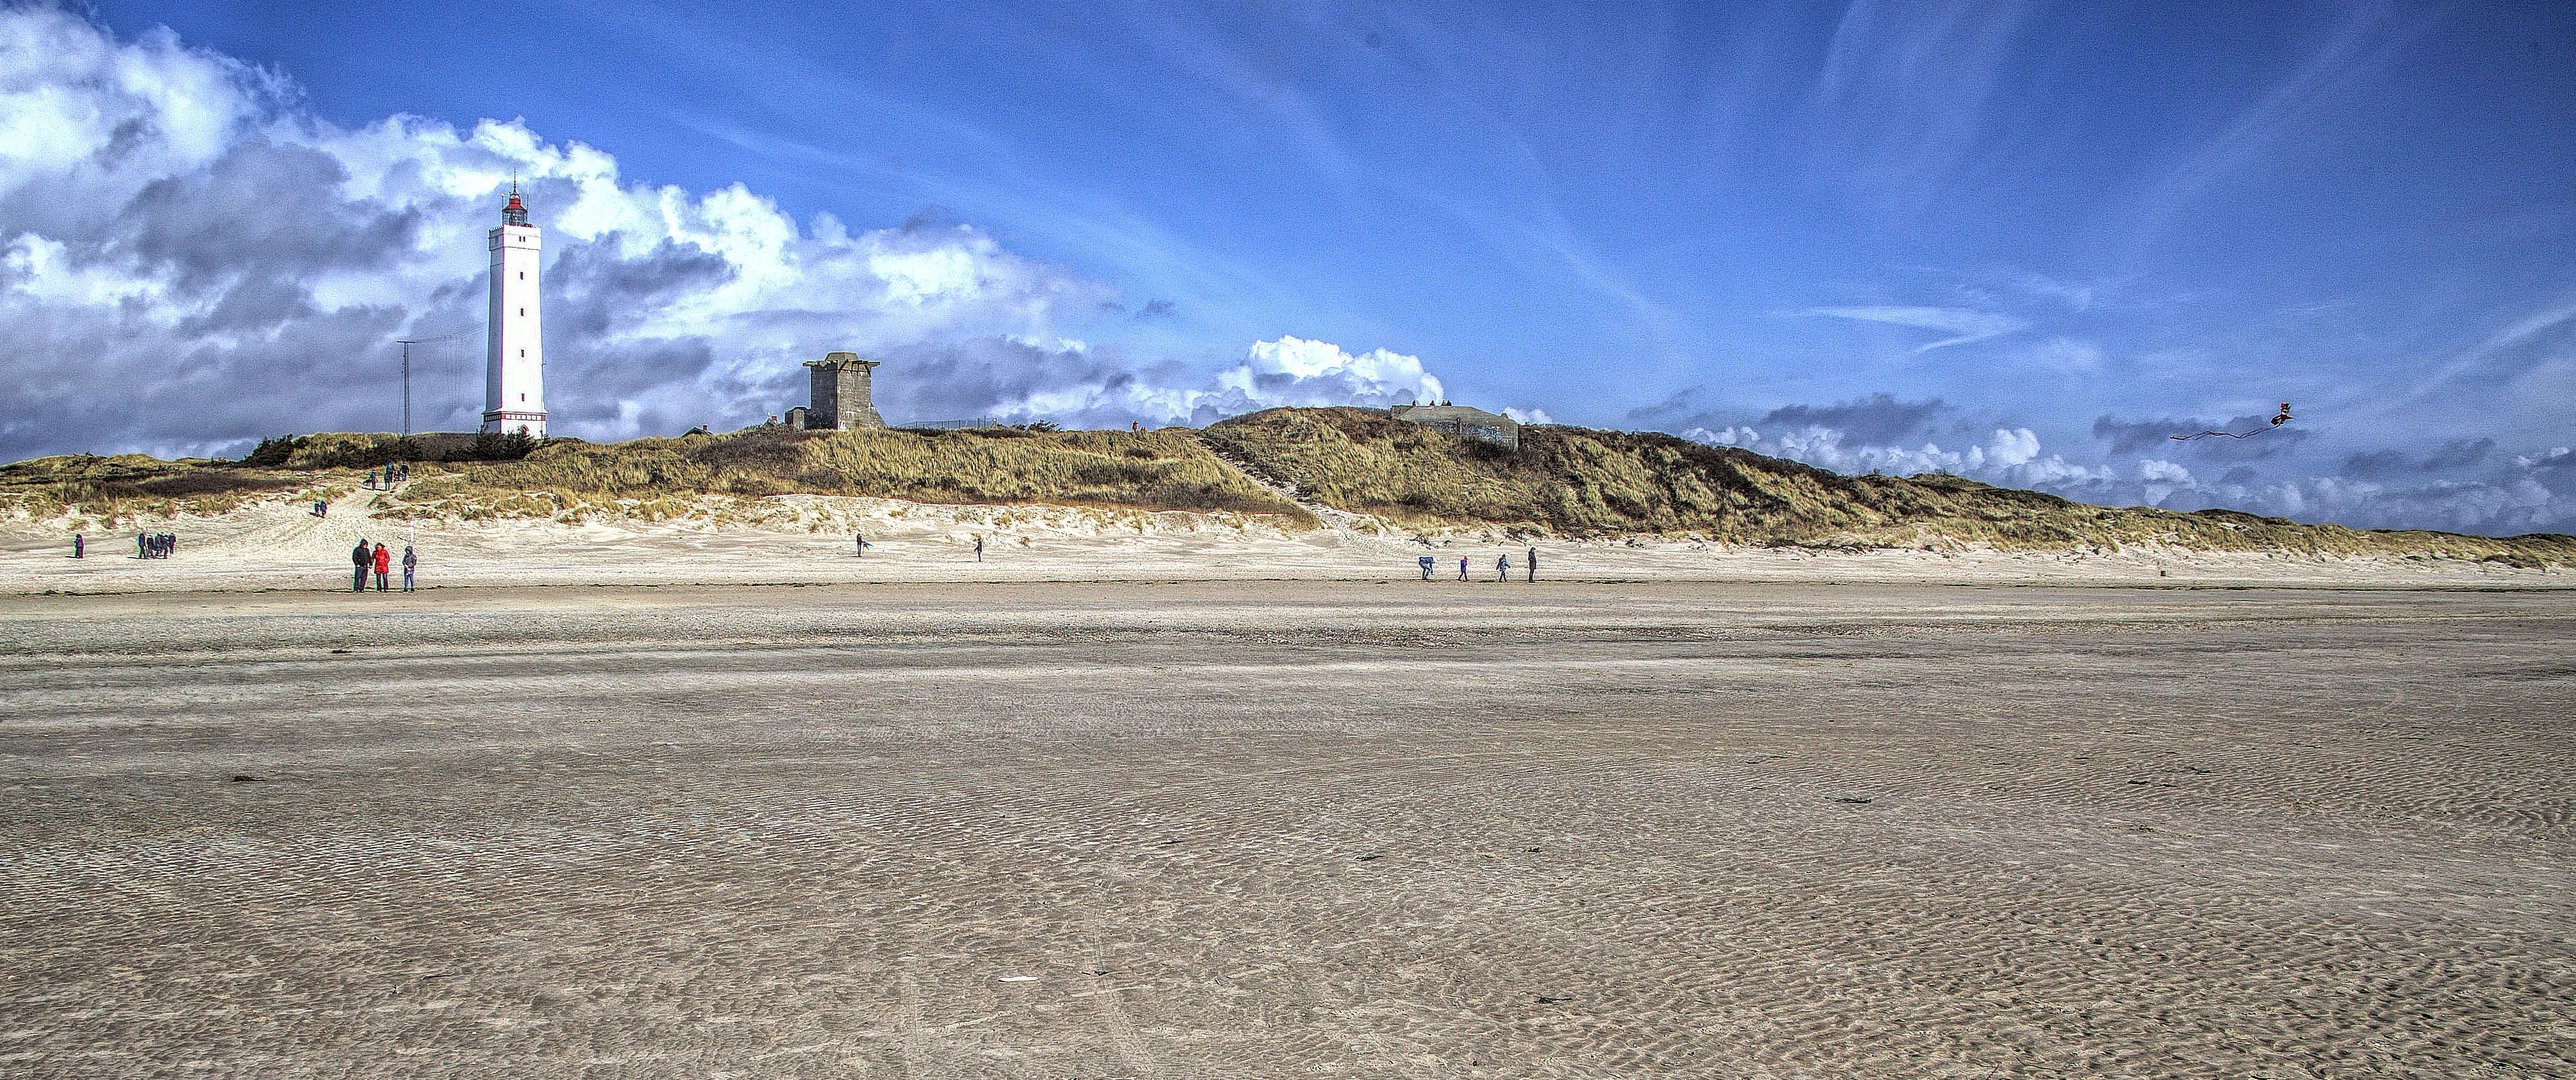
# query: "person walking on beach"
1532, 564
1503, 568
1428, 564
410, 563
80, 546
979, 549
1462, 568
360, 558
860, 541
384, 566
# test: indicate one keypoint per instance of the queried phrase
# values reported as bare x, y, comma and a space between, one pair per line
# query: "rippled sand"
1289, 830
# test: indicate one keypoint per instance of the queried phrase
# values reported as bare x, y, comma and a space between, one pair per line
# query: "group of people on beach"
148, 545
1502, 566
860, 544
365, 557
388, 476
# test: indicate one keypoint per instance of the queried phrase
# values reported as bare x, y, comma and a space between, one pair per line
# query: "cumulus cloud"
1882, 433
2461, 485
2006, 456
1287, 371
189, 260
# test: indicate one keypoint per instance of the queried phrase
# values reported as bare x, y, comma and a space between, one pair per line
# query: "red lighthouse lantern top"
517, 212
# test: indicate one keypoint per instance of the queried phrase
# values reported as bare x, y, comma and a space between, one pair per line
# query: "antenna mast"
406, 344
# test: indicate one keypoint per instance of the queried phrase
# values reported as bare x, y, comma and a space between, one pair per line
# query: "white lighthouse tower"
514, 387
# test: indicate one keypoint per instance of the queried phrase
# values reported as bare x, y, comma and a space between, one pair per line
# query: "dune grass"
1578, 482
114, 489
1562, 481
659, 478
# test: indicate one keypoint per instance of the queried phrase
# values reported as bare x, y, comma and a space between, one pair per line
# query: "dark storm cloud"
2127, 435
1879, 418
592, 291
2131, 436
1686, 408
262, 213
2460, 454
984, 376
224, 343
631, 387
143, 386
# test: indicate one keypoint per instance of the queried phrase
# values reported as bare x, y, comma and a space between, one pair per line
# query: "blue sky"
2017, 241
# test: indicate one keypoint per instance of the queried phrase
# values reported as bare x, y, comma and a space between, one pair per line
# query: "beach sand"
276, 544
1663, 828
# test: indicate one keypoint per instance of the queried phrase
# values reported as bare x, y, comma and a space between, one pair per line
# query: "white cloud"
2065, 355
2008, 456
2158, 469
1296, 371
173, 216
1964, 325
1287, 371
2535, 493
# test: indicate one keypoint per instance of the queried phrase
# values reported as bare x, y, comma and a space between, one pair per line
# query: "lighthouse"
514, 390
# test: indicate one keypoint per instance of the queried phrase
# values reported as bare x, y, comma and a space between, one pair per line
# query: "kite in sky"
2278, 419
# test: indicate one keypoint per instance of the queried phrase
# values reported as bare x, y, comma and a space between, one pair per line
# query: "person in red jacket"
384, 565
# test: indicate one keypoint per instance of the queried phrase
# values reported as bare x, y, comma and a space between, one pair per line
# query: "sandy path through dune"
1290, 830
